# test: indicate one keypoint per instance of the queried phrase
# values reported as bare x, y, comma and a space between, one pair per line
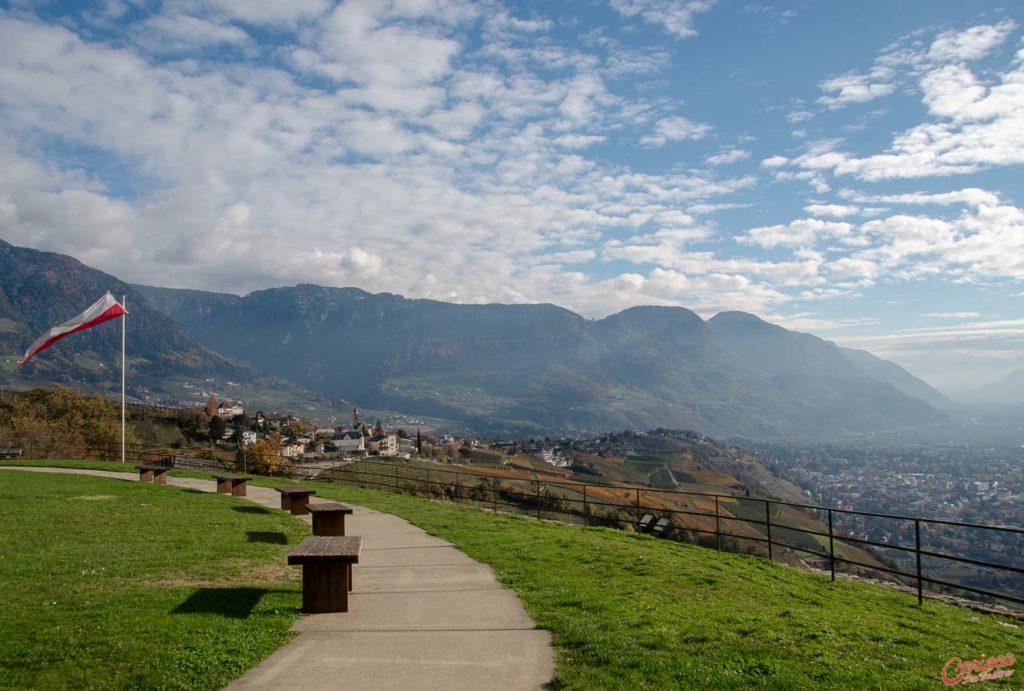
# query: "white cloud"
449, 178
952, 315
975, 126
853, 88
579, 141
180, 33
800, 233
835, 210
972, 196
808, 322
262, 11
851, 268
675, 15
727, 156
381, 148
675, 129
970, 44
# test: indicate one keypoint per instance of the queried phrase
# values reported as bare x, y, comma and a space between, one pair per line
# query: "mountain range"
542, 368
41, 289
493, 368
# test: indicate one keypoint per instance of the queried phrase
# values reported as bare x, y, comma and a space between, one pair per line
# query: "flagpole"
124, 317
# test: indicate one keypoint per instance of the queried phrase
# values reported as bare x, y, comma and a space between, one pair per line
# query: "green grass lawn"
630, 611
109, 584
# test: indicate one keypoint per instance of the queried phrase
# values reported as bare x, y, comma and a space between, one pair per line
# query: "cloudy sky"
848, 169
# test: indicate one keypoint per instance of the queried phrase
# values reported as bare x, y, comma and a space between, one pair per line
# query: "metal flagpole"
124, 318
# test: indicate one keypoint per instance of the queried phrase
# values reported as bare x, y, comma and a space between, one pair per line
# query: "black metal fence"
909, 550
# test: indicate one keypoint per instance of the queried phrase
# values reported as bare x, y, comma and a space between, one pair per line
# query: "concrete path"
422, 615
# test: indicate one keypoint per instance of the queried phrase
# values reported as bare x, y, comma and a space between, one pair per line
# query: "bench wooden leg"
238, 489
145, 476
160, 478
327, 524
223, 486
300, 506
325, 588
286, 502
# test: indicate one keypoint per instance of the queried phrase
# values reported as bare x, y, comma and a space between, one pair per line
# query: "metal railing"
728, 522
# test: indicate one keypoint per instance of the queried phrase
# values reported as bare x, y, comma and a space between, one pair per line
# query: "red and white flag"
104, 309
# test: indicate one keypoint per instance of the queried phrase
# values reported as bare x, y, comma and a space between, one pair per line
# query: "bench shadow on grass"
250, 509
267, 536
232, 603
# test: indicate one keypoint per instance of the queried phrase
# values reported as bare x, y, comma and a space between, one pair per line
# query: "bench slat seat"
326, 549
326, 571
330, 507
295, 499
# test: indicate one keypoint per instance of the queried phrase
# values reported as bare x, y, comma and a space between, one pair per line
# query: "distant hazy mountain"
1008, 390
892, 373
543, 368
42, 289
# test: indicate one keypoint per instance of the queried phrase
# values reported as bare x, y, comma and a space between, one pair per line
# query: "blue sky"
848, 169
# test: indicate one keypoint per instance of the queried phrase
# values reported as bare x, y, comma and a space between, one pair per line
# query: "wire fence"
919, 553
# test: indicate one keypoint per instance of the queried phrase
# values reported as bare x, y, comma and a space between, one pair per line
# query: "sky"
848, 169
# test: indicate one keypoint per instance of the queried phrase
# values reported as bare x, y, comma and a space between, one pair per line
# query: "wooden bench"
326, 571
156, 474
295, 499
329, 517
232, 484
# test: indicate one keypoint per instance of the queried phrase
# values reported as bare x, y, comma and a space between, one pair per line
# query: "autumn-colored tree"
211, 405
61, 423
264, 456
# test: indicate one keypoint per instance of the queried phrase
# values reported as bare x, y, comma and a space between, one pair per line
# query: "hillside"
41, 289
494, 368
543, 369
630, 611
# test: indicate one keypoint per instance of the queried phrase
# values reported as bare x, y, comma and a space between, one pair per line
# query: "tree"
211, 406
59, 422
216, 428
264, 456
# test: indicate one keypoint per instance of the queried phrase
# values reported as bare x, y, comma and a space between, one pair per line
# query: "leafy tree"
264, 456
62, 423
211, 405
216, 428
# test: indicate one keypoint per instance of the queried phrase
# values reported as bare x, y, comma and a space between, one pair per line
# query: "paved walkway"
422, 615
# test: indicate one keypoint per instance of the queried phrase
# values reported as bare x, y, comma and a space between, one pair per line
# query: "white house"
229, 410
350, 443
384, 444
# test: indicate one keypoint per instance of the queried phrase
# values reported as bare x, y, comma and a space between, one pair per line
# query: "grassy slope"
104, 585
629, 611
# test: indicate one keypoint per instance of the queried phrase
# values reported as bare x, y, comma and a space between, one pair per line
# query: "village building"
229, 410
350, 443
